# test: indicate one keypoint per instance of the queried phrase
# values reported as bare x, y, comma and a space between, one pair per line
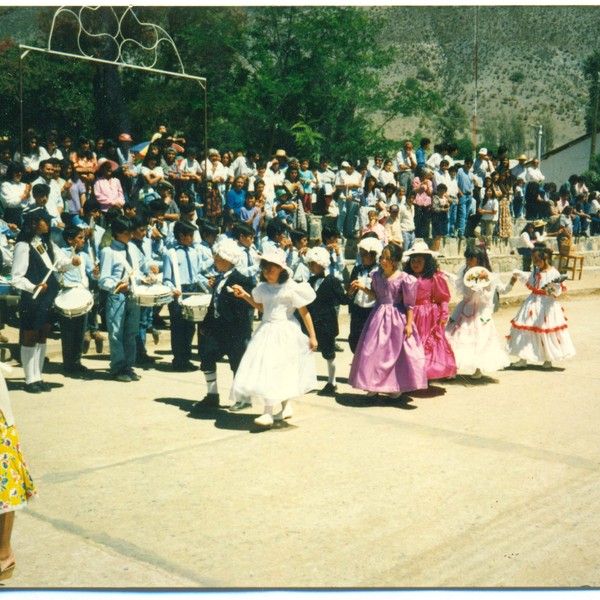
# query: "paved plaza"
482, 483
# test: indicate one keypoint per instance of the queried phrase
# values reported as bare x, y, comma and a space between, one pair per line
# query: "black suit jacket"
234, 318
322, 310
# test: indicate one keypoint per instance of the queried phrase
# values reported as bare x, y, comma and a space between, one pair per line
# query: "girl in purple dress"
389, 357
431, 311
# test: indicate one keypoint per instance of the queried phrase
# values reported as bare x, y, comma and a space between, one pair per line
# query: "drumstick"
37, 292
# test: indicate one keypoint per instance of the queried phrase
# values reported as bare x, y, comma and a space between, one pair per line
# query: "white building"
569, 159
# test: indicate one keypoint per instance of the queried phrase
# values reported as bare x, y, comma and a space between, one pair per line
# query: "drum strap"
175, 265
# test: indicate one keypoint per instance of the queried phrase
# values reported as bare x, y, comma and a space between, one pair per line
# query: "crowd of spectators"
429, 193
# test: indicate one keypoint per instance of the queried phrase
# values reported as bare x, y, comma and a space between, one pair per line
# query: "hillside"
546, 44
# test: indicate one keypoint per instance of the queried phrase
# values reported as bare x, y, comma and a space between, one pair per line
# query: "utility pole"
539, 142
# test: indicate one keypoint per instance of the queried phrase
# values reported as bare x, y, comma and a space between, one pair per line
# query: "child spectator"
296, 258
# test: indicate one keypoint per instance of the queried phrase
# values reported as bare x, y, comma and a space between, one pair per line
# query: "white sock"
211, 382
331, 371
28, 358
41, 355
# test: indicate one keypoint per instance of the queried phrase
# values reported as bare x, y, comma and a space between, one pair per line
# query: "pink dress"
385, 359
431, 309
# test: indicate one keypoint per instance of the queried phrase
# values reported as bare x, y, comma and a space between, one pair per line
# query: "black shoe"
122, 377
209, 401
76, 370
328, 390
45, 387
338, 348
134, 376
145, 359
33, 388
184, 367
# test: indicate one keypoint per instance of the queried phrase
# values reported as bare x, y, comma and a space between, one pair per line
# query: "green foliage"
592, 175
451, 120
517, 77
424, 74
308, 140
591, 71
465, 148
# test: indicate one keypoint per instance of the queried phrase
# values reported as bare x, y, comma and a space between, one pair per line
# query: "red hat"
125, 137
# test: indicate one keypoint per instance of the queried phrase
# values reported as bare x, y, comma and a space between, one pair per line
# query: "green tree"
320, 62
451, 120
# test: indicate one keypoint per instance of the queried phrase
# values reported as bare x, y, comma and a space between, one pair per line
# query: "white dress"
471, 330
278, 363
539, 331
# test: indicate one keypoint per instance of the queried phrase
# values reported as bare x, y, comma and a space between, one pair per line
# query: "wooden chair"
571, 262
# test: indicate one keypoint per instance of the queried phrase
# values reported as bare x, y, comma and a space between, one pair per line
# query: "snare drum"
153, 295
194, 308
74, 302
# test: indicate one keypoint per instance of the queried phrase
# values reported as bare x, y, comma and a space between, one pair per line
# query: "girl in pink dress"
389, 357
431, 311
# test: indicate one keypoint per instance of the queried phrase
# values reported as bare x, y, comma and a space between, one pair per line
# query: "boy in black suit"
227, 327
330, 295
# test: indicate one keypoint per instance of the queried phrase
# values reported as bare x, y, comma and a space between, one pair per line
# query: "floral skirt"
16, 485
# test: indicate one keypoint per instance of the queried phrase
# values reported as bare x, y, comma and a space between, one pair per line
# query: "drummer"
119, 275
94, 234
149, 267
36, 260
73, 329
182, 273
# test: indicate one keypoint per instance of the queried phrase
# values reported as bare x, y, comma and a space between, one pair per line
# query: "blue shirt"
114, 265
189, 265
421, 158
464, 181
74, 277
235, 200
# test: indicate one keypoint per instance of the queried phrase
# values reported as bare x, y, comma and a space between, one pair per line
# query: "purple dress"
385, 360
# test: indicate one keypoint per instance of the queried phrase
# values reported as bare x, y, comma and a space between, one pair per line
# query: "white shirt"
386, 177
406, 215
402, 158
441, 177
535, 175
21, 263
433, 162
11, 192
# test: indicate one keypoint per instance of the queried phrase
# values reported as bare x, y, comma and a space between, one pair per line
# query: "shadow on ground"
362, 400
238, 421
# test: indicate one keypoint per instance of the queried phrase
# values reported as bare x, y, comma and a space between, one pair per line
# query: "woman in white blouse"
14, 194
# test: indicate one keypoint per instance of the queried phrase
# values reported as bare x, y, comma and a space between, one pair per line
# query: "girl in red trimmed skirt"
539, 331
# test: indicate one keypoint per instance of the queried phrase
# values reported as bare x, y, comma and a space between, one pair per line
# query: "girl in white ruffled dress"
539, 331
278, 364
471, 330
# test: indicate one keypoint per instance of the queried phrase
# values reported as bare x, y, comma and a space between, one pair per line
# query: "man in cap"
519, 171
482, 167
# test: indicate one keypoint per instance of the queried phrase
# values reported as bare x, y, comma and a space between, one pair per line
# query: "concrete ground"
482, 483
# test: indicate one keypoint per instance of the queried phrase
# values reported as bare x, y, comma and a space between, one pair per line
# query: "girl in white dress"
539, 331
471, 330
277, 365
